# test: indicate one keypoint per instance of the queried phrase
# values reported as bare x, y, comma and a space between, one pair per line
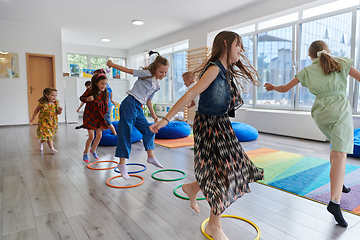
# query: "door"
40, 75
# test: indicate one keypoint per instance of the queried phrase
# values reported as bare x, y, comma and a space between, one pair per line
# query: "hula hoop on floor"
186, 198
231, 216
170, 170
100, 168
131, 175
137, 164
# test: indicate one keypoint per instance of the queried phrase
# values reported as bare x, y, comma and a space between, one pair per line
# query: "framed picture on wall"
9, 65
74, 70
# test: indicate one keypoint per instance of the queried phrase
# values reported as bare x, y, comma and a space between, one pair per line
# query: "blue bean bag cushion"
174, 129
356, 143
108, 139
244, 132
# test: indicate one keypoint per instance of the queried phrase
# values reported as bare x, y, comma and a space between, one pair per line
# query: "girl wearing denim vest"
131, 112
326, 78
222, 169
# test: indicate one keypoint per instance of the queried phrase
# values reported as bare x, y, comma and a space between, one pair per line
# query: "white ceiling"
87, 21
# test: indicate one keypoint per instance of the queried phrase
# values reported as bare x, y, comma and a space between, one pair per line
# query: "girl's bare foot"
191, 191
215, 232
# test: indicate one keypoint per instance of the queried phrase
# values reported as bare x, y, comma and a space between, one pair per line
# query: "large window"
336, 32
248, 87
274, 62
80, 64
172, 87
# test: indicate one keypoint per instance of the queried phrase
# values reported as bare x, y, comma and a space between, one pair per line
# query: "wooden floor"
57, 197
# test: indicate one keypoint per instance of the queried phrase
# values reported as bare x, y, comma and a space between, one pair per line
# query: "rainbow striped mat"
306, 176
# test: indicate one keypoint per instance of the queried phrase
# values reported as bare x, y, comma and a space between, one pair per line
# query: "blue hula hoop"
136, 164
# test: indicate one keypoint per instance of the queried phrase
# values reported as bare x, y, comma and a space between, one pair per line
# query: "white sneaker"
53, 151
41, 146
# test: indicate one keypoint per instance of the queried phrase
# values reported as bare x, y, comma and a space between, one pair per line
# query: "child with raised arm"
326, 78
222, 169
48, 118
96, 107
131, 112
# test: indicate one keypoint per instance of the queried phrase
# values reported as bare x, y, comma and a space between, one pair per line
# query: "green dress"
331, 110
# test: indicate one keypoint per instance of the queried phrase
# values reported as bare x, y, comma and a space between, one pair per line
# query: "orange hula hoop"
100, 168
132, 175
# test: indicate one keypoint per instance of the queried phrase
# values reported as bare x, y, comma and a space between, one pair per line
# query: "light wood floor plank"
69, 198
54, 226
29, 234
17, 213
42, 197
88, 226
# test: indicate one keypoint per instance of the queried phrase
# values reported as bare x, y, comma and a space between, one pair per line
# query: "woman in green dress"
326, 78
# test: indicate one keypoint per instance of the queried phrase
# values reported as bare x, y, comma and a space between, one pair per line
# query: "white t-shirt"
144, 89
196, 99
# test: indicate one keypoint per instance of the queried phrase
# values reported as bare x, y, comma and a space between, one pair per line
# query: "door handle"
30, 89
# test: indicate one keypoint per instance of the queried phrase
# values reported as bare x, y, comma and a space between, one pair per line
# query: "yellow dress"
331, 110
48, 121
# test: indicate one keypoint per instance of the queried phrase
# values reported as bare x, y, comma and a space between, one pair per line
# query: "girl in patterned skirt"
48, 118
222, 169
96, 99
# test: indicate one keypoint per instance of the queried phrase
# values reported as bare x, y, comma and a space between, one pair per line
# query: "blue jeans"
131, 114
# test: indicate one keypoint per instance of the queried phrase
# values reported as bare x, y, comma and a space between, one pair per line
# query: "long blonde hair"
327, 62
242, 70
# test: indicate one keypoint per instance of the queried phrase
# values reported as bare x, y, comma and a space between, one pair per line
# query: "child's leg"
122, 168
112, 129
337, 175
191, 189
89, 140
148, 139
51, 146
41, 144
97, 139
213, 228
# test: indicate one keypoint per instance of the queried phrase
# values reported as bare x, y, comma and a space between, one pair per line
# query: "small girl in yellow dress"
48, 118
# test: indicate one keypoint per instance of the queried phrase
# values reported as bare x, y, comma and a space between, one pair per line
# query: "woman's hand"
157, 125
89, 99
269, 86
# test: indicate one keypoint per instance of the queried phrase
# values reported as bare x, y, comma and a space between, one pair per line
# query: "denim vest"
215, 100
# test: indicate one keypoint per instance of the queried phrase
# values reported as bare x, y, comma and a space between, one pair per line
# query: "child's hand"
32, 119
157, 125
155, 118
78, 110
109, 63
89, 99
269, 86
59, 110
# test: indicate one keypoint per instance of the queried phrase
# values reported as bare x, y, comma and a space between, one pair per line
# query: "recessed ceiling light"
137, 22
105, 40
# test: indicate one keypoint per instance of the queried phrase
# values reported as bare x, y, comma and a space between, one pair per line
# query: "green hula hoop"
186, 198
165, 170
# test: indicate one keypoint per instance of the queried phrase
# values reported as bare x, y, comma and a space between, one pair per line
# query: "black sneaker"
78, 127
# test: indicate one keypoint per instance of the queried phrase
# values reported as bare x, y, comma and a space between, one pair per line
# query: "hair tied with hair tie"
321, 52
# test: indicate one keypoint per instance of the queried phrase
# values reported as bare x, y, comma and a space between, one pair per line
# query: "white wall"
21, 39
